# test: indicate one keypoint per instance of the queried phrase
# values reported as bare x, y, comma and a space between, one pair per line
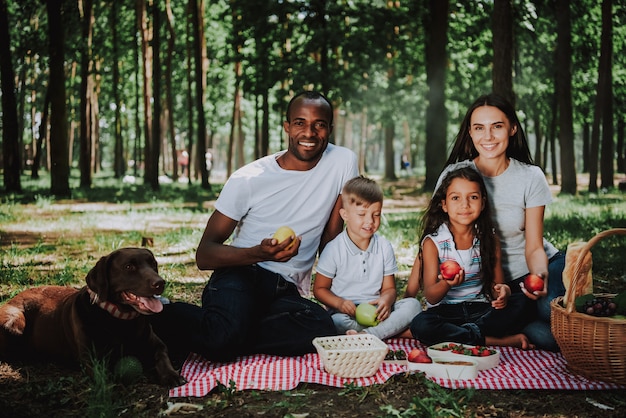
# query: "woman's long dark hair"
484, 228
464, 149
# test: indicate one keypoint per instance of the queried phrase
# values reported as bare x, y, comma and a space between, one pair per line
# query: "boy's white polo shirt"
357, 275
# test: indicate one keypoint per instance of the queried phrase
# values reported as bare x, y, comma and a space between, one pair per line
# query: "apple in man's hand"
533, 283
366, 315
449, 269
418, 356
283, 233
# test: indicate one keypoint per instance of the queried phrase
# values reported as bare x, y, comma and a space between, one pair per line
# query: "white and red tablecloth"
518, 369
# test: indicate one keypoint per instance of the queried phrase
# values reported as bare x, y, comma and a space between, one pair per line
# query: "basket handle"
581, 257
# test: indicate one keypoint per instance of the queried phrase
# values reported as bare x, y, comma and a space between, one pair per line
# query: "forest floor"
34, 390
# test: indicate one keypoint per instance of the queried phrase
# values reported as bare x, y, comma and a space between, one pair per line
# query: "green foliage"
439, 402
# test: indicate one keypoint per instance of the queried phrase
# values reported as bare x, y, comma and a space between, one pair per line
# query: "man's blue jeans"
245, 310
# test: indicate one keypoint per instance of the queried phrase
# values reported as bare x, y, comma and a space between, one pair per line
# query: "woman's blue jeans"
535, 315
245, 310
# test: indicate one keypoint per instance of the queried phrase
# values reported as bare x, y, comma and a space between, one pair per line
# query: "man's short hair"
310, 95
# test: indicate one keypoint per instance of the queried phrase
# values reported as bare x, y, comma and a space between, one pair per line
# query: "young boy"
358, 266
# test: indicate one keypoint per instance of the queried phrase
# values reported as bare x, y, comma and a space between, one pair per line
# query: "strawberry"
485, 352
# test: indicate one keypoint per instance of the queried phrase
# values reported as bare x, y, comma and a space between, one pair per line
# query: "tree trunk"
502, 32
86, 69
169, 100
564, 97
538, 143
621, 158
436, 115
60, 168
119, 162
390, 172
10, 139
155, 150
197, 9
606, 57
146, 52
42, 135
586, 146
601, 97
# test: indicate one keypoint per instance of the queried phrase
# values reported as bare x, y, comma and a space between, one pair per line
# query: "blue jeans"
466, 323
538, 329
245, 310
403, 312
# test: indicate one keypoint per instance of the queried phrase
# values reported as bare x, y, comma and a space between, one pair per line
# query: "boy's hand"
347, 307
383, 310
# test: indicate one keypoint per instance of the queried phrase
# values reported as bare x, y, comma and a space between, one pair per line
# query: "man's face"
308, 129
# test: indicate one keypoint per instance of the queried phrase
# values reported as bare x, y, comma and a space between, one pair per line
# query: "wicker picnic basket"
351, 355
594, 347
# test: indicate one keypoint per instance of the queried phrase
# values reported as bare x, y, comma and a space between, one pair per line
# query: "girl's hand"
456, 280
503, 292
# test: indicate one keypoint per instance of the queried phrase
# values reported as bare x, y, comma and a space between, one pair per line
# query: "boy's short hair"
361, 190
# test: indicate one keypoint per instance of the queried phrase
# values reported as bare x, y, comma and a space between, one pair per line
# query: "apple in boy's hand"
418, 356
366, 315
283, 233
533, 283
449, 269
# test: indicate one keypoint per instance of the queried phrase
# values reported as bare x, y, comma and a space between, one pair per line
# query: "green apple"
128, 370
366, 315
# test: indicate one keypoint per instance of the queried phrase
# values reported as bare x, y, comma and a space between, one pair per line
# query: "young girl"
469, 308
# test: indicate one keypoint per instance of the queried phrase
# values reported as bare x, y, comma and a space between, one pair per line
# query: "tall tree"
564, 96
86, 162
119, 162
146, 60
502, 28
436, 24
59, 150
197, 10
169, 99
606, 60
603, 95
155, 140
10, 139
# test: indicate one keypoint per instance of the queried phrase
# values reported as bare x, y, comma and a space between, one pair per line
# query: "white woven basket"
351, 355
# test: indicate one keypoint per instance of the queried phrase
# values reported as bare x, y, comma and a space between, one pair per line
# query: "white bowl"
447, 369
484, 363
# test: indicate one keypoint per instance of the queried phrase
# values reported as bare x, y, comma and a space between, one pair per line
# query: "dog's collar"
111, 308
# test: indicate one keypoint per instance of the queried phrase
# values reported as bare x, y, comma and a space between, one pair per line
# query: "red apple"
418, 356
449, 269
533, 283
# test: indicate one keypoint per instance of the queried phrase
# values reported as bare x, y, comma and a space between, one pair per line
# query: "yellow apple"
366, 315
283, 233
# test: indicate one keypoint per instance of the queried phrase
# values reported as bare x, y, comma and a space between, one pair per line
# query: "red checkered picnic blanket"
518, 369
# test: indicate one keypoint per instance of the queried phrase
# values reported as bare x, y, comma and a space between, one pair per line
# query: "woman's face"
490, 130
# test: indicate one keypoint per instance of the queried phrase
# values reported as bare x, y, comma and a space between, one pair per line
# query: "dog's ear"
98, 278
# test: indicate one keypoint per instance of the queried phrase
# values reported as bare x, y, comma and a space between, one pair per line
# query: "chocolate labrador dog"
106, 318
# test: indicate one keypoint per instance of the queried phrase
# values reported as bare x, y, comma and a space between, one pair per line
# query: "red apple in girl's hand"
533, 283
449, 269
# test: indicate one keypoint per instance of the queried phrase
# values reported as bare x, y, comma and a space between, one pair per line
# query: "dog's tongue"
153, 304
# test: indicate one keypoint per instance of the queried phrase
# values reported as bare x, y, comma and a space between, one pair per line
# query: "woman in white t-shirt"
491, 140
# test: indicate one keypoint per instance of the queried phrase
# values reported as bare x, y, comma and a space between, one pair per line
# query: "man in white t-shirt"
254, 301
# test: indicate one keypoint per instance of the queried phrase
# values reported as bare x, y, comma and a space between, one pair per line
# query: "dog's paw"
172, 379
12, 319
